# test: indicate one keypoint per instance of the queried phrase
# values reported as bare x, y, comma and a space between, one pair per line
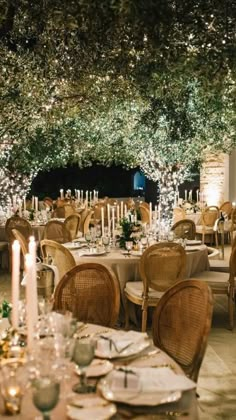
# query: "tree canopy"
107, 80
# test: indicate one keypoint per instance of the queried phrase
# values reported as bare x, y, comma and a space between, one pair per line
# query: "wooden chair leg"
126, 301
231, 311
216, 239
144, 319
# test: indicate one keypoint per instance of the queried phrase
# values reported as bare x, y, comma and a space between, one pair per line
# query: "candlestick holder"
12, 345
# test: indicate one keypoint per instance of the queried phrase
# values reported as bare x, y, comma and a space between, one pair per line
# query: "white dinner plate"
97, 368
136, 396
192, 248
90, 408
193, 242
73, 245
136, 253
92, 254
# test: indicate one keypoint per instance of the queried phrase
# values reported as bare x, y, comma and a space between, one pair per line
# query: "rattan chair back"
22, 225
72, 225
48, 202
97, 210
59, 212
60, 256
162, 265
22, 240
226, 207
144, 214
144, 204
91, 292
69, 209
56, 231
185, 229
87, 222
178, 214
210, 215
181, 324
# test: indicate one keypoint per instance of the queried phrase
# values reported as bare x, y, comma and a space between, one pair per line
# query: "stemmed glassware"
83, 355
46, 391
88, 238
129, 246
106, 242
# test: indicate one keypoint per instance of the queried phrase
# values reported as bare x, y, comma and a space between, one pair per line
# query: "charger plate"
135, 397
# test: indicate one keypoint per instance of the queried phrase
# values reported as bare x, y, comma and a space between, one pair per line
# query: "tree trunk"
13, 184
168, 188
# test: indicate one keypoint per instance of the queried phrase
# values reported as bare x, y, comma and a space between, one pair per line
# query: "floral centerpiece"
5, 309
131, 230
191, 206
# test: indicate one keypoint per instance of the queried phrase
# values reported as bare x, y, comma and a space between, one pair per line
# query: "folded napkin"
117, 342
125, 378
161, 379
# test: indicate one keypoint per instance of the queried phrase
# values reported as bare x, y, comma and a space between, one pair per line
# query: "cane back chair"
181, 324
160, 266
91, 292
184, 229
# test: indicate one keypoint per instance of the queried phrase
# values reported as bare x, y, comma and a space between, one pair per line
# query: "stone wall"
214, 179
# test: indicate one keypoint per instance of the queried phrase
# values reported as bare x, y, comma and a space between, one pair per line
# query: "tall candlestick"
185, 195
190, 195
29, 301
126, 211
20, 207
117, 213
32, 202
102, 217
82, 195
15, 283
36, 204
113, 221
150, 215
121, 210
155, 213
108, 219
197, 196
24, 200
33, 279
62, 194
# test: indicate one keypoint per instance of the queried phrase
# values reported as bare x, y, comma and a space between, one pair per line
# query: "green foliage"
149, 83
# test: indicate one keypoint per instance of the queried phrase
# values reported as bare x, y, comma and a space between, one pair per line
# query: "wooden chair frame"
178, 231
182, 322
145, 301
103, 272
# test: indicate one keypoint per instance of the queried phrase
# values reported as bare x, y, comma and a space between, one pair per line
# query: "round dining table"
126, 267
184, 406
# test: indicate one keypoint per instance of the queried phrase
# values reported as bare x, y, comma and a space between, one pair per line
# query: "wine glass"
45, 394
106, 242
129, 246
83, 355
88, 238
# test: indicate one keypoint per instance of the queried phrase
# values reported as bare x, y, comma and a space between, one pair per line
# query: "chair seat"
219, 265
135, 288
206, 229
214, 279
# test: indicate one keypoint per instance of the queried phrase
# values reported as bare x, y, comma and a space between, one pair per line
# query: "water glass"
83, 355
45, 392
129, 246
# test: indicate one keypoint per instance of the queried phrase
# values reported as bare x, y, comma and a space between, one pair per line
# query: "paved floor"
217, 379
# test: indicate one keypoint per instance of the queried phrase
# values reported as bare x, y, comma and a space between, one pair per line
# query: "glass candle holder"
12, 396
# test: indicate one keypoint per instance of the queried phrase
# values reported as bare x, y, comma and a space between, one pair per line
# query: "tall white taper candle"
15, 283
